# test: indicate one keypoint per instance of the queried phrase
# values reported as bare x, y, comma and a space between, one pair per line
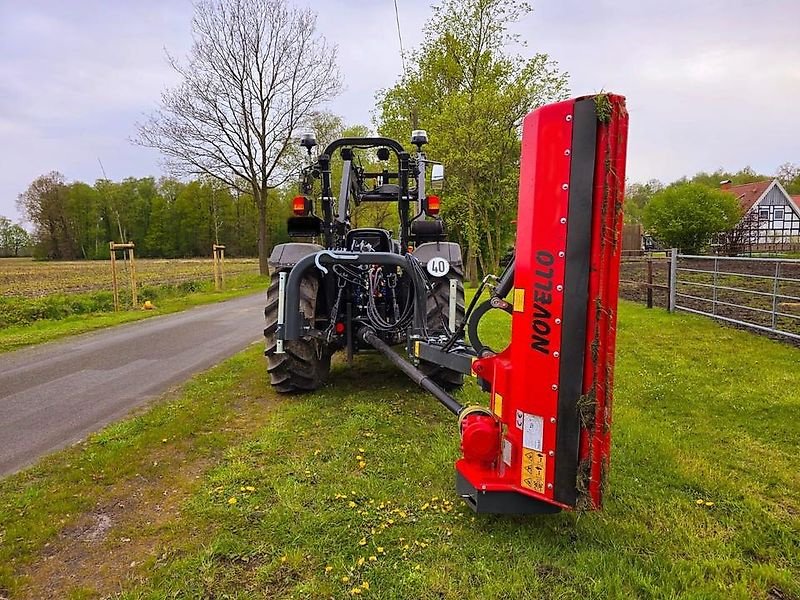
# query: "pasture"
225, 490
23, 277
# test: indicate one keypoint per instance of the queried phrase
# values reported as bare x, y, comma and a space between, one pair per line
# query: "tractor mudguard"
448, 250
288, 255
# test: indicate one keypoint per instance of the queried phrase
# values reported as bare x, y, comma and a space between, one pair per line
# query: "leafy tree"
687, 215
45, 205
13, 238
256, 73
637, 196
471, 95
789, 176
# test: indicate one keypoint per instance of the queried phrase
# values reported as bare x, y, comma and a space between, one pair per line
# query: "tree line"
165, 218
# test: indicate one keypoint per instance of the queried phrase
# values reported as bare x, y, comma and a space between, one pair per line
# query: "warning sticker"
534, 466
519, 300
498, 405
532, 431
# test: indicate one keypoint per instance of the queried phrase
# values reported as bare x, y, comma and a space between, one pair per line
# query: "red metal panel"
603, 292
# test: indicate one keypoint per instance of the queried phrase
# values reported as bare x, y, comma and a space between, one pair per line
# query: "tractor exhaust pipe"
368, 336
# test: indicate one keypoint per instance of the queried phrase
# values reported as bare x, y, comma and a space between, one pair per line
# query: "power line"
399, 36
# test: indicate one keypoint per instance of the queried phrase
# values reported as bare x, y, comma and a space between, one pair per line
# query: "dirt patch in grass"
112, 544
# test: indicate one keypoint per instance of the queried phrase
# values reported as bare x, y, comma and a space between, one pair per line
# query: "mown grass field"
42, 301
224, 490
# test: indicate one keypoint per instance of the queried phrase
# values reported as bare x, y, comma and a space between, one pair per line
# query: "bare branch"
258, 71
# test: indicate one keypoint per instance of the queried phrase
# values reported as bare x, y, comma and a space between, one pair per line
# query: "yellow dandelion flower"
362, 464
328, 569
359, 457
360, 561
365, 585
699, 502
232, 500
351, 504
345, 579
283, 559
249, 488
355, 591
373, 558
425, 506
362, 542
380, 549
709, 504
361, 450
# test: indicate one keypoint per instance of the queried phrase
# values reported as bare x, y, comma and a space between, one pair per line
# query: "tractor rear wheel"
438, 313
305, 363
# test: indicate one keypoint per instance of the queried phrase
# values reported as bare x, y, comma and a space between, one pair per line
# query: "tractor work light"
301, 206
419, 137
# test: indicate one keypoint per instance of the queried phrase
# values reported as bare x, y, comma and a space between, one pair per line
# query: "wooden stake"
113, 254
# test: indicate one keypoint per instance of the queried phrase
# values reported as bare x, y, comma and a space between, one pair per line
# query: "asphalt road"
54, 394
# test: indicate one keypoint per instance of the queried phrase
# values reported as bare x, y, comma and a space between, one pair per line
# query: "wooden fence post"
218, 252
649, 282
114, 284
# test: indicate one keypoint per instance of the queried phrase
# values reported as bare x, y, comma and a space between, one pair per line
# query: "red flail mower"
543, 443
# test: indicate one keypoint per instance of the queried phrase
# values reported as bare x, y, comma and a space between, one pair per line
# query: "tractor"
337, 302
542, 442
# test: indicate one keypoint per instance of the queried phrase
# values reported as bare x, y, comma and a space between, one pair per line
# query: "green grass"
79, 313
701, 412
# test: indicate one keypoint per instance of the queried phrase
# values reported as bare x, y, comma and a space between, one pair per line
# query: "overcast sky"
713, 83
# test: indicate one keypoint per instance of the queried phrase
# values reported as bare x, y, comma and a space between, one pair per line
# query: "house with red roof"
774, 215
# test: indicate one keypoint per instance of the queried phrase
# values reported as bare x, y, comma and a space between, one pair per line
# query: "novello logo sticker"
438, 266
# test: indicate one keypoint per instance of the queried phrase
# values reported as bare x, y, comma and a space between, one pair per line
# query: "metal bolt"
549, 486
552, 419
565, 186
567, 152
558, 321
563, 220
561, 254
556, 354
551, 453
559, 287
554, 386
569, 117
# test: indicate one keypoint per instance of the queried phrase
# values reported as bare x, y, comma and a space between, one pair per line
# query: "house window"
763, 214
779, 214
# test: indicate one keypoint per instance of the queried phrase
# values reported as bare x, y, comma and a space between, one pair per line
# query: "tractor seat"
427, 231
383, 193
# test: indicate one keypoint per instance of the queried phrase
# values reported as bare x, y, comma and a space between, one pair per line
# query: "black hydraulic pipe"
506, 281
417, 376
326, 258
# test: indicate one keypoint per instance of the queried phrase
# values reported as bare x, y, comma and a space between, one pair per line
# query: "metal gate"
758, 293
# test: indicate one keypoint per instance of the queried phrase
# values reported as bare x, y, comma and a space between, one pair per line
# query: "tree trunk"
260, 198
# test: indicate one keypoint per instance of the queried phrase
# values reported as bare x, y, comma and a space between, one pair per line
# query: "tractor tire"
438, 310
305, 363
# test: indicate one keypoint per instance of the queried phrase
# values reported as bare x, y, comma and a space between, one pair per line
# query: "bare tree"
257, 72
